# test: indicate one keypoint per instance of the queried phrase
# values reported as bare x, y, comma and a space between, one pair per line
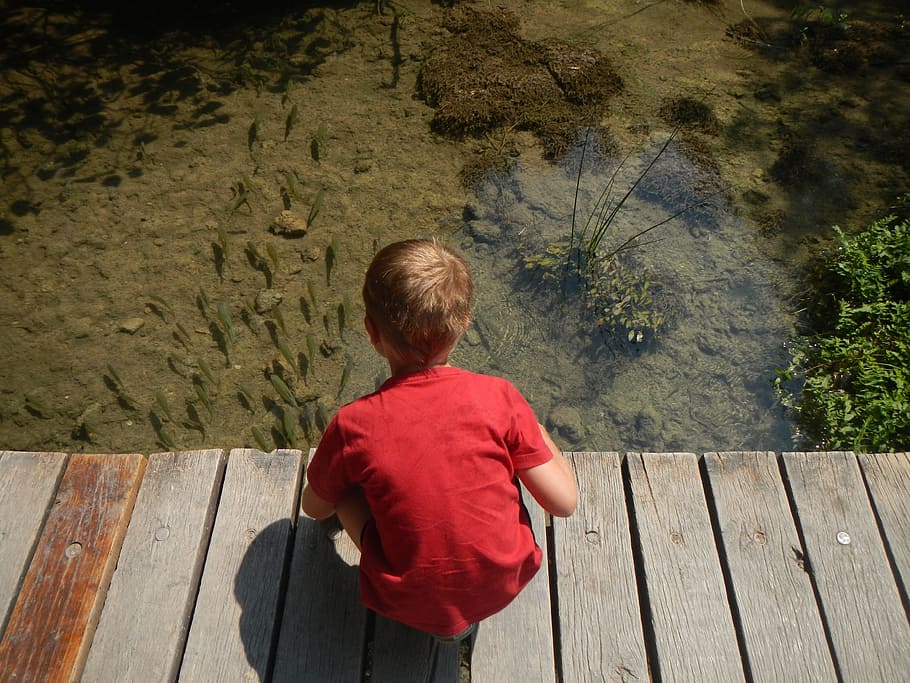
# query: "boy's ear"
372, 330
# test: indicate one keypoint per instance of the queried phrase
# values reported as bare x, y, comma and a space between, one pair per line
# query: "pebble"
267, 299
131, 325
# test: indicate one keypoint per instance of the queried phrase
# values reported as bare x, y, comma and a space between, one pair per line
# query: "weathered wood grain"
781, 624
27, 485
401, 653
888, 478
236, 612
693, 626
323, 627
859, 599
146, 616
517, 643
601, 634
50, 630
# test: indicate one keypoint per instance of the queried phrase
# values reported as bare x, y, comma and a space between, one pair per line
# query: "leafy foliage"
855, 363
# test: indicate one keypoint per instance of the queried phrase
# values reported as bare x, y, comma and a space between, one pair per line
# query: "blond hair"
418, 293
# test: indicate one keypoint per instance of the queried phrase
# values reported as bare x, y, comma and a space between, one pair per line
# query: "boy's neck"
405, 368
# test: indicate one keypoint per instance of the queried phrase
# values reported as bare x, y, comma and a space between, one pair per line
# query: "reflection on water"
704, 382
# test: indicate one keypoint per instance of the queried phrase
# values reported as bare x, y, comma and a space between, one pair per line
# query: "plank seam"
802, 555
892, 562
222, 471
735, 614
554, 600
369, 640
644, 601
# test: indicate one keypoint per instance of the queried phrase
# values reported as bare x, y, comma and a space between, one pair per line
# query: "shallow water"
703, 382
140, 161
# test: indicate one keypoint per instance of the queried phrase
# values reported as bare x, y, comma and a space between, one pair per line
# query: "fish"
288, 356
289, 122
314, 209
255, 131
305, 311
204, 397
225, 315
206, 370
162, 402
283, 390
183, 333
279, 318
253, 252
306, 419
166, 439
342, 320
203, 300
273, 254
322, 416
246, 395
161, 303
289, 427
260, 439
345, 375
222, 240
293, 186
311, 347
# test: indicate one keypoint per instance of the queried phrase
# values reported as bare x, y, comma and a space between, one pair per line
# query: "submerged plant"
618, 298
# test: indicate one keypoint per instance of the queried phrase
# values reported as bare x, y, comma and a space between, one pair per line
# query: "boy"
422, 473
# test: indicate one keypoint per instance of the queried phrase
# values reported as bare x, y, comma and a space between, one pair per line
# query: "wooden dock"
197, 566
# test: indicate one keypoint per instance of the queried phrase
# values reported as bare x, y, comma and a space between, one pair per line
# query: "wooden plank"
323, 627
236, 612
27, 485
517, 643
51, 627
859, 598
599, 616
694, 634
159, 570
401, 653
778, 614
888, 478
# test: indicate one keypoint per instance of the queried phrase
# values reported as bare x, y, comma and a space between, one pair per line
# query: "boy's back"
435, 453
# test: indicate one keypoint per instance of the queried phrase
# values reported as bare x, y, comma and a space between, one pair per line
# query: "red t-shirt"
436, 453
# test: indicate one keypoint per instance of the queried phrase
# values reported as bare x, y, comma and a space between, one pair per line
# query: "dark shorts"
458, 637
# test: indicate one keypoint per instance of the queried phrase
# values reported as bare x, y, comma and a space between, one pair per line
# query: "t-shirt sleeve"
526, 445
326, 472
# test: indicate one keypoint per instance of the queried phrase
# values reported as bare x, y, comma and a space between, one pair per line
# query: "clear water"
127, 143
704, 382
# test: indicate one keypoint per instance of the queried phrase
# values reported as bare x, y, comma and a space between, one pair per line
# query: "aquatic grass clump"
598, 270
853, 362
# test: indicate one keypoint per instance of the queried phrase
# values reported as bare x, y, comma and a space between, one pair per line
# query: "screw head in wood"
843, 538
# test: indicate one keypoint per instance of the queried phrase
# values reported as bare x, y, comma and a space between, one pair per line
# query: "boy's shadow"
301, 615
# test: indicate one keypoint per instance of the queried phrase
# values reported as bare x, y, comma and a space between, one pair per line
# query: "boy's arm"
553, 483
314, 506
